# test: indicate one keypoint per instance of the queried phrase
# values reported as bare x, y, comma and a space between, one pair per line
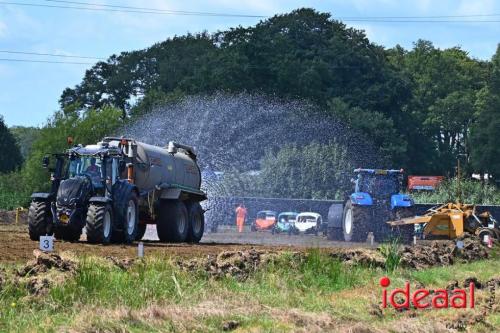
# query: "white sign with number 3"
47, 243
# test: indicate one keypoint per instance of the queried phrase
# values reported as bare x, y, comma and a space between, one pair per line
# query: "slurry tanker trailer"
115, 188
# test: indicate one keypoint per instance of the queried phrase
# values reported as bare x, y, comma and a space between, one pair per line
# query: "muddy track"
17, 247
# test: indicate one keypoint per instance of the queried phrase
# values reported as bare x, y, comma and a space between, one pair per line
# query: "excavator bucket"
449, 224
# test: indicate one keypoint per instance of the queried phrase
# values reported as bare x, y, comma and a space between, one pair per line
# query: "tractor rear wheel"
356, 222
196, 222
39, 220
99, 224
173, 223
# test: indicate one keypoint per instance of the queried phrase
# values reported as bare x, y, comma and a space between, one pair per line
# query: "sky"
29, 92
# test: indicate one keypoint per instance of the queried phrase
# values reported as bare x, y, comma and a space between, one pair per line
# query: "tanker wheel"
173, 223
356, 223
141, 231
39, 220
99, 224
196, 222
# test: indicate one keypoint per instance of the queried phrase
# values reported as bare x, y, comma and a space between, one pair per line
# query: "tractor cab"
376, 186
99, 163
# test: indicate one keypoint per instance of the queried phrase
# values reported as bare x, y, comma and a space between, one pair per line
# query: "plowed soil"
16, 246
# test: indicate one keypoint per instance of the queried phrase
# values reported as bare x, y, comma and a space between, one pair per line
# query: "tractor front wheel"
99, 224
39, 220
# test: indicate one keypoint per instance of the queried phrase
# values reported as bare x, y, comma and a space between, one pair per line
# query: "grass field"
311, 292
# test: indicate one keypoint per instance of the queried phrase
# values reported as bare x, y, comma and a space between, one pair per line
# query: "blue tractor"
376, 200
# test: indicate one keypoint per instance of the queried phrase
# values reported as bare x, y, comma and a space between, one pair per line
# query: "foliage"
471, 192
391, 253
10, 156
485, 155
436, 121
13, 191
25, 137
313, 171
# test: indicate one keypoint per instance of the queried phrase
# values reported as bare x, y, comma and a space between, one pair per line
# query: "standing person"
241, 214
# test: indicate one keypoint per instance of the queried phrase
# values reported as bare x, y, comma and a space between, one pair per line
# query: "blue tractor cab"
374, 185
376, 199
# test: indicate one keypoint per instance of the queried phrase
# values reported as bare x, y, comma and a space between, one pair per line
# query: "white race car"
308, 222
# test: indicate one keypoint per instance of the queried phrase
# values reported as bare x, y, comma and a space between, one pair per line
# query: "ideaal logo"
423, 298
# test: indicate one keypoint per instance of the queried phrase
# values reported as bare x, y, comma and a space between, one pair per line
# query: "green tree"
10, 156
25, 137
485, 150
436, 121
313, 172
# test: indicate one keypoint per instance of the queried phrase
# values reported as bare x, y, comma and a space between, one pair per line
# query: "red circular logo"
384, 281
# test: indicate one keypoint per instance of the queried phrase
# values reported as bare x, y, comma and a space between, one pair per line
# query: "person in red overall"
241, 214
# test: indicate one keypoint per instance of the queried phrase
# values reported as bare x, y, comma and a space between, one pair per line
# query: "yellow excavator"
451, 220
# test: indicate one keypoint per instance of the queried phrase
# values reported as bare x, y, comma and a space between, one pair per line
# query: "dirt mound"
364, 257
9, 216
436, 253
43, 262
237, 264
45, 271
442, 253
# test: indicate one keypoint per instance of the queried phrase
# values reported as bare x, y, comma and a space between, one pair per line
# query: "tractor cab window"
87, 165
379, 185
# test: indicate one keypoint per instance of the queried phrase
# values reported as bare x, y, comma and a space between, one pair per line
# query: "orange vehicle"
425, 183
265, 220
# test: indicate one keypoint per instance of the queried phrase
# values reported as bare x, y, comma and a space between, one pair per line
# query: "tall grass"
391, 253
290, 281
13, 192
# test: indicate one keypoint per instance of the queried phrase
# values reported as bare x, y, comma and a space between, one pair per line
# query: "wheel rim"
107, 224
131, 217
348, 222
197, 223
